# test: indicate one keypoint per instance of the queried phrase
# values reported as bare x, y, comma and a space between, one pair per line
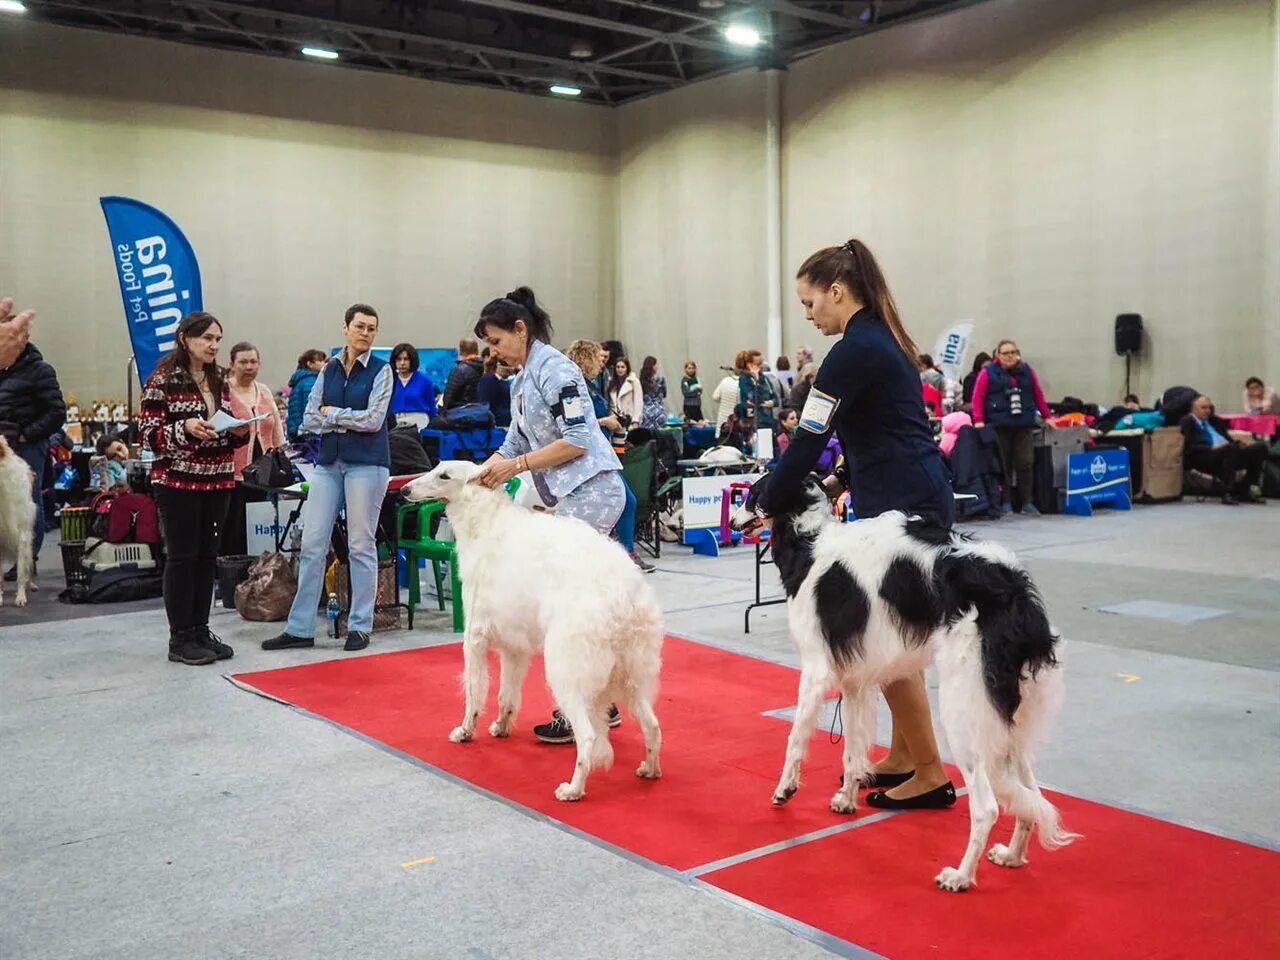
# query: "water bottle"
332, 614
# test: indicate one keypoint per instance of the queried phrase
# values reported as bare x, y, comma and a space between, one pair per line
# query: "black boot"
214, 642
184, 647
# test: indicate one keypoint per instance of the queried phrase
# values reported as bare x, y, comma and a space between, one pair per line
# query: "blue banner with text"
158, 274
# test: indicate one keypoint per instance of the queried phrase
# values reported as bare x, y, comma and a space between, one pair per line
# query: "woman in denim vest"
348, 411
554, 435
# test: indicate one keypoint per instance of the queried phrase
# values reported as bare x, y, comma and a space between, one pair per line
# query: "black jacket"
31, 398
462, 383
868, 391
1194, 434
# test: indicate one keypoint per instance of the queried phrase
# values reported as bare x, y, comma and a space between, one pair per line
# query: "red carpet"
720, 758
1134, 887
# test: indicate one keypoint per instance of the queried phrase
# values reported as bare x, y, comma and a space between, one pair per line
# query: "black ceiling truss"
612, 50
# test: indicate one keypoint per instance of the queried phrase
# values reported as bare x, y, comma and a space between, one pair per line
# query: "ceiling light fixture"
320, 53
12, 6
565, 90
742, 35
581, 50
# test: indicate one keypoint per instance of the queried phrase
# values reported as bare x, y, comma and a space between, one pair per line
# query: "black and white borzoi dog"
17, 520
533, 582
874, 601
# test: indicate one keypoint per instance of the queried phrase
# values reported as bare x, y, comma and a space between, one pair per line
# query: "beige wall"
691, 227
1033, 165
302, 188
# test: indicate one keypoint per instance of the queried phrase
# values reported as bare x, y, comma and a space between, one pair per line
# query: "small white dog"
536, 582
17, 519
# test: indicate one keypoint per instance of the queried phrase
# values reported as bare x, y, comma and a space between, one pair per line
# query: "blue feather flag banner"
158, 273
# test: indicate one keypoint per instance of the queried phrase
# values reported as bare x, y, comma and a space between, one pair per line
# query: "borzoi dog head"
446, 482
810, 504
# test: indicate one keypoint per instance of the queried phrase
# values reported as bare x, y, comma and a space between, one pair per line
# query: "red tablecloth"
1265, 424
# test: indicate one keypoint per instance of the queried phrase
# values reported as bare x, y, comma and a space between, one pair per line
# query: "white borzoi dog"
17, 519
874, 601
536, 582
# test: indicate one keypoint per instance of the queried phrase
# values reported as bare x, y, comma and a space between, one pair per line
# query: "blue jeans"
626, 526
359, 488
35, 454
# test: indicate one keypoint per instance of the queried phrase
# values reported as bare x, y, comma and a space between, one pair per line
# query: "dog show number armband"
570, 408
818, 411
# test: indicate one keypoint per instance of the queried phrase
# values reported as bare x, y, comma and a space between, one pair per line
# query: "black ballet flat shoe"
883, 780
940, 798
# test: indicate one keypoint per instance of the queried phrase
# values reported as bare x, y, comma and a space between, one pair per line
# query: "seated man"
1209, 447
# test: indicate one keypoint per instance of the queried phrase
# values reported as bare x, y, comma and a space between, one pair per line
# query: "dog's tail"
1029, 803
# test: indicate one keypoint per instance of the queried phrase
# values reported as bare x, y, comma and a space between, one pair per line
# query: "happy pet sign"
158, 274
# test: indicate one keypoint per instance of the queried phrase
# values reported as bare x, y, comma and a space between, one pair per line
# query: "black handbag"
272, 470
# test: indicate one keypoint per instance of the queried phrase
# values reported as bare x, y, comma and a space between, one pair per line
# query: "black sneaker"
356, 640
286, 641
559, 730
644, 565
214, 642
185, 648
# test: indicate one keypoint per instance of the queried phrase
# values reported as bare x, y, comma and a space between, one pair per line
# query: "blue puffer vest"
1007, 405
353, 446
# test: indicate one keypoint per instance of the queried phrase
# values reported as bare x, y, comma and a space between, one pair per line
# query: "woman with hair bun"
554, 435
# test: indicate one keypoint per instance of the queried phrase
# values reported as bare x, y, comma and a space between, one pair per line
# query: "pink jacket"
269, 433
951, 425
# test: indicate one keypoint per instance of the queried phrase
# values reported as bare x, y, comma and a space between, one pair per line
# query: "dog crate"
101, 555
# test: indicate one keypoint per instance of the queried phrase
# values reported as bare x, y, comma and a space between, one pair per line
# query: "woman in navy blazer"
868, 391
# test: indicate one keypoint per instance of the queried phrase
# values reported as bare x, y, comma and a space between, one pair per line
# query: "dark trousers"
37, 456
1018, 451
1225, 461
234, 541
191, 521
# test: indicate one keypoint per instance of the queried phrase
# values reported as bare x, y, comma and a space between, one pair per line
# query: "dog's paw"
1002, 856
568, 792
20, 600
783, 794
646, 771
844, 802
500, 729
460, 735
951, 880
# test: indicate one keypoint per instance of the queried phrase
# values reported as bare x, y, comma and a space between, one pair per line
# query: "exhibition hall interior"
544, 479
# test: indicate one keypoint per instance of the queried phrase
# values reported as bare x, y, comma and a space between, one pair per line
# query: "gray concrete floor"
157, 811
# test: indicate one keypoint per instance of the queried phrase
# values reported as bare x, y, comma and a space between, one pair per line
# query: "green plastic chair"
427, 547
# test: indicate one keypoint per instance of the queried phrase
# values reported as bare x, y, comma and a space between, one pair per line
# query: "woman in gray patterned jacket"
553, 434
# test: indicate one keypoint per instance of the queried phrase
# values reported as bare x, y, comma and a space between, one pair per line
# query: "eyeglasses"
1010, 353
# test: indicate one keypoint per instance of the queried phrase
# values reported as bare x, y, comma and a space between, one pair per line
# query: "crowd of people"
567, 416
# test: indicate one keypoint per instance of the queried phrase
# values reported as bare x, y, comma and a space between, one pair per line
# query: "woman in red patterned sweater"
192, 477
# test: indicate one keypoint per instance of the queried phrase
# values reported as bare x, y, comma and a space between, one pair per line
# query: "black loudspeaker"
1128, 333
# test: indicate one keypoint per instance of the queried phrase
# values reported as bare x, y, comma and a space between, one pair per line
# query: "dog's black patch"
843, 611
793, 555
913, 600
928, 532
1016, 638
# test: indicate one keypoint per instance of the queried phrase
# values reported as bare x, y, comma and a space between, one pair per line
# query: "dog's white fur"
995, 758
535, 582
17, 519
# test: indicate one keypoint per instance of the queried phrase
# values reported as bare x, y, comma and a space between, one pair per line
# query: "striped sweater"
169, 399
